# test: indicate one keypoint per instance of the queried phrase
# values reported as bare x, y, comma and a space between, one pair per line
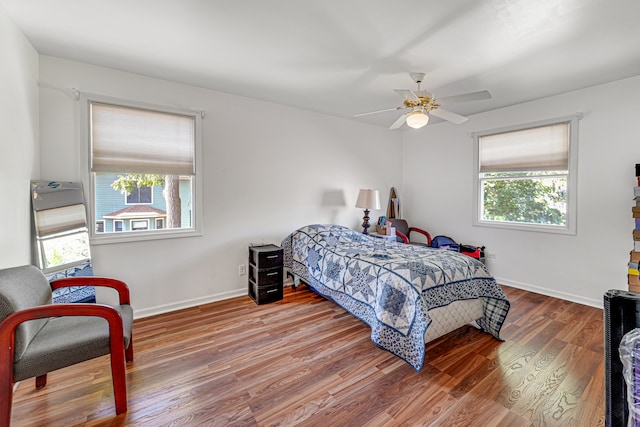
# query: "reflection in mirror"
61, 235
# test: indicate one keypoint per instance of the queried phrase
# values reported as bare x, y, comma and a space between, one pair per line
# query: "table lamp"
367, 199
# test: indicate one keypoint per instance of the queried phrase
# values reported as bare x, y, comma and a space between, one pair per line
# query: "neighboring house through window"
142, 169
525, 176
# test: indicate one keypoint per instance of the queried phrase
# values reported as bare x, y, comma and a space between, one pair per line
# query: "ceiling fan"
420, 104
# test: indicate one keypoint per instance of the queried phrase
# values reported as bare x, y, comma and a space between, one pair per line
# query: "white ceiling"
346, 57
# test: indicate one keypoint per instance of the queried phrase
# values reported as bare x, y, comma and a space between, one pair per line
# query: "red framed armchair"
37, 337
403, 232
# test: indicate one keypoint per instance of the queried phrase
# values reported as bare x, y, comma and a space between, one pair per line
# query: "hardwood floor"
305, 361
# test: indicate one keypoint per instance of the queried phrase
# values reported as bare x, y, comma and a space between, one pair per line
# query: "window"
139, 195
142, 162
140, 224
100, 226
525, 177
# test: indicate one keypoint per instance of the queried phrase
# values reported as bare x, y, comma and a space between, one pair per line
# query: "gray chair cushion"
23, 287
401, 226
65, 341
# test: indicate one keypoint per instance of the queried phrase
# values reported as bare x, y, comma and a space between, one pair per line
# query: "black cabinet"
265, 273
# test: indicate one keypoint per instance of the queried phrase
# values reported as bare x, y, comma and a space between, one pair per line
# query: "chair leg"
41, 381
6, 396
128, 353
119, 377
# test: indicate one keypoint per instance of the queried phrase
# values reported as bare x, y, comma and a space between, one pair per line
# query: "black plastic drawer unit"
265, 273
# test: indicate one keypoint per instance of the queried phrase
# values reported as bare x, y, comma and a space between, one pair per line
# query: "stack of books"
633, 270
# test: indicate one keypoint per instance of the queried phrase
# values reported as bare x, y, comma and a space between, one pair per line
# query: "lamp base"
365, 222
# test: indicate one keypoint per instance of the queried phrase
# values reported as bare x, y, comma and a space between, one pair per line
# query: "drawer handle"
272, 256
271, 274
272, 290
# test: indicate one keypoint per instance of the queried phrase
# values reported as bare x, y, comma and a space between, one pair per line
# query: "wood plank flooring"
305, 361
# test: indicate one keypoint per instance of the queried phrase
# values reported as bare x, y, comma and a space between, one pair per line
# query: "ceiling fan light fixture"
417, 103
417, 119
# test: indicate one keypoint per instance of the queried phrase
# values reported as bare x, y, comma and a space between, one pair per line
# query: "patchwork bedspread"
391, 286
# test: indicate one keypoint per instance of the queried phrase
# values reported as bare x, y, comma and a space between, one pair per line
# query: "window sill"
538, 228
132, 236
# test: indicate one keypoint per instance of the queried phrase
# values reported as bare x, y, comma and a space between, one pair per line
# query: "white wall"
262, 179
438, 193
18, 141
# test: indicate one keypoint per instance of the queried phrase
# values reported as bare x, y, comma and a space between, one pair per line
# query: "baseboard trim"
179, 305
551, 292
166, 308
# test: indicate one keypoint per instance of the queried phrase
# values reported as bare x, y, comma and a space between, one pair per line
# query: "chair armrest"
61, 310
10, 323
421, 231
402, 236
118, 285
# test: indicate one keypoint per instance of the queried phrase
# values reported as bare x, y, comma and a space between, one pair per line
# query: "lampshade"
417, 119
368, 199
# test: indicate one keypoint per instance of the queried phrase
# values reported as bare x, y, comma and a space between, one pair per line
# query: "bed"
407, 294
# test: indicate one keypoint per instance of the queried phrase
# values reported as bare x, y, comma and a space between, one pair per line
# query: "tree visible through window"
529, 197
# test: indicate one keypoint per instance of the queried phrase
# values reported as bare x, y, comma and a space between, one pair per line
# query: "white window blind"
135, 140
544, 148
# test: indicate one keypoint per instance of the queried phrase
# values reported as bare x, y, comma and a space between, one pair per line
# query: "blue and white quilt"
391, 286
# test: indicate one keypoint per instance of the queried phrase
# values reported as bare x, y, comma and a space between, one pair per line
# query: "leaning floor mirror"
61, 236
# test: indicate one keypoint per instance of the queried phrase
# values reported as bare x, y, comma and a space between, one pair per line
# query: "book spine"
633, 267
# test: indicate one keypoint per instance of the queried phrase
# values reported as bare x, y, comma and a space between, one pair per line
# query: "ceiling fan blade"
407, 94
399, 122
376, 112
448, 116
466, 97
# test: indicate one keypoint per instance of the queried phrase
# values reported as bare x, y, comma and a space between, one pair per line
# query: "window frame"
570, 226
88, 177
